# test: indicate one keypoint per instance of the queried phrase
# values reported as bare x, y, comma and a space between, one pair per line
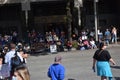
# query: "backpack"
15, 61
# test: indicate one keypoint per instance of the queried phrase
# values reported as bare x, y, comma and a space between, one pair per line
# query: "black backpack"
15, 61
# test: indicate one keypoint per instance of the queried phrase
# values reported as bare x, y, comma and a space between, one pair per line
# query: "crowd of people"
13, 61
11, 47
86, 39
56, 71
82, 41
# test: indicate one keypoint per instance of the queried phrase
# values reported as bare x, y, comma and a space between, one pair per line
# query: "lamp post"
96, 23
78, 4
69, 20
26, 8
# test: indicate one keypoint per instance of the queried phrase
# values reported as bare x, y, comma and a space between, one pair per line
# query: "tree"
69, 20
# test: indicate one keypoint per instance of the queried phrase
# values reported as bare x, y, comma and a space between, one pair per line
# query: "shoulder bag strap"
100, 52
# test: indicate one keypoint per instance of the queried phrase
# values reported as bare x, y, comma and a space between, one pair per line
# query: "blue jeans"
114, 38
107, 41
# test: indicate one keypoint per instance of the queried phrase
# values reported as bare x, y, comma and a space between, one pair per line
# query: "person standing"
114, 35
107, 36
100, 36
4, 70
102, 58
56, 71
9, 56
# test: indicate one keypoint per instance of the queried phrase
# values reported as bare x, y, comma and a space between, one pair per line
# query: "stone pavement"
78, 64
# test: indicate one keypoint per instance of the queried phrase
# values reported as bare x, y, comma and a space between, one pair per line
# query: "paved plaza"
78, 64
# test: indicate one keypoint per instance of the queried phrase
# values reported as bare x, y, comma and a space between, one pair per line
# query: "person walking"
56, 71
102, 58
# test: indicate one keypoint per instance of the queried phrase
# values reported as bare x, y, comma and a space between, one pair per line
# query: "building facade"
46, 15
24, 15
108, 13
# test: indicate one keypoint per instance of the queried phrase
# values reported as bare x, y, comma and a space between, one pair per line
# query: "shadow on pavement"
43, 53
117, 78
39, 54
116, 67
71, 79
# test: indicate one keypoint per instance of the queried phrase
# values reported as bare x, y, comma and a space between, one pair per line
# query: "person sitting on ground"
92, 44
69, 45
81, 46
86, 44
